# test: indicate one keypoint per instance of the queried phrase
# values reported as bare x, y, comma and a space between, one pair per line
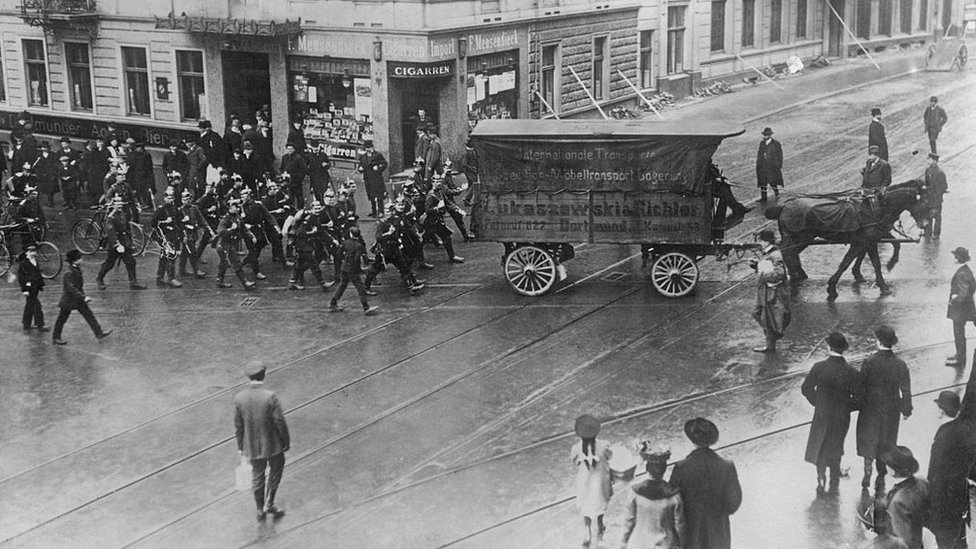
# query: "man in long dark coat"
772, 310
962, 308
372, 164
876, 134
833, 387
709, 486
769, 164
934, 118
935, 186
951, 462
887, 393
31, 284
876, 173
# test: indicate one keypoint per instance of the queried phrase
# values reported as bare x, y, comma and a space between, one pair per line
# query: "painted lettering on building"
405, 70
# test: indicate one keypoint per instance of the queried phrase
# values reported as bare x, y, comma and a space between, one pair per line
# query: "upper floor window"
676, 39
189, 74
775, 21
136, 70
647, 59
801, 18
35, 67
600, 67
78, 61
550, 77
718, 25
748, 23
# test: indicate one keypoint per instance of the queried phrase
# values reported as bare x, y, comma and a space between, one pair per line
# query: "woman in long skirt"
591, 457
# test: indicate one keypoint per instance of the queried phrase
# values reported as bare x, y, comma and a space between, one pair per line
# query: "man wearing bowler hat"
876, 173
31, 284
372, 164
935, 186
709, 486
74, 298
934, 118
908, 501
833, 387
962, 309
876, 134
262, 437
769, 164
952, 457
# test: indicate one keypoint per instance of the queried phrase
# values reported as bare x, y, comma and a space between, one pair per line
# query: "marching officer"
197, 234
392, 242
230, 231
279, 205
119, 244
935, 186
167, 225
435, 207
351, 271
260, 223
210, 206
30, 213
876, 173
305, 230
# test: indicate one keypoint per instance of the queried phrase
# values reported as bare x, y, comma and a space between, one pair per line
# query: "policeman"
305, 230
393, 240
230, 231
351, 271
261, 224
30, 213
197, 234
120, 245
433, 220
210, 206
167, 227
278, 204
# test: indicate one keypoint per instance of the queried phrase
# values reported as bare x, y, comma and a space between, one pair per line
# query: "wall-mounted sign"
85, 128
420, 70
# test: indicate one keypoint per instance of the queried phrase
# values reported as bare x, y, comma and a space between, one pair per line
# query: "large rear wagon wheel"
530, 270
674, 274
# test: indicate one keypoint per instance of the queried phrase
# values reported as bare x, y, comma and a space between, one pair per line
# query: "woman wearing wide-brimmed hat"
655, 510
908, 501
591, 457
887, 393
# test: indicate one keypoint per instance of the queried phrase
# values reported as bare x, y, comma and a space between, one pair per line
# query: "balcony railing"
57, 7
61, 15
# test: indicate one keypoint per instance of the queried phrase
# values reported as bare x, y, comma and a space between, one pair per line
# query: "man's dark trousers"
276, 464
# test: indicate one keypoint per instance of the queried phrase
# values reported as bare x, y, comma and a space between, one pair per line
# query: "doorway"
247, 83
835, 31
416, 96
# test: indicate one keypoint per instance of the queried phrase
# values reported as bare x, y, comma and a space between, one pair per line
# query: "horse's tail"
773, 212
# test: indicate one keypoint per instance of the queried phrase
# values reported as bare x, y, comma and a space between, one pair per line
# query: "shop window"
676, 39
906, 16
801, 18
748, 23
136, 71
78, 60
189, 74
492, 87
599, 68
718, 25
550, 77
647, 59
775, 21
335, 99
863, 19
923, 10
884, 17
35, 66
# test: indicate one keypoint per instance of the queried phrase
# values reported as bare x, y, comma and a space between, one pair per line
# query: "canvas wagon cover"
597, 181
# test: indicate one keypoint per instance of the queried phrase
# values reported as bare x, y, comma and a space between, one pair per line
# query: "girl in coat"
591, 457
655, 511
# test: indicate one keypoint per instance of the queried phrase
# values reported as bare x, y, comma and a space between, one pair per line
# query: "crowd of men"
231, 193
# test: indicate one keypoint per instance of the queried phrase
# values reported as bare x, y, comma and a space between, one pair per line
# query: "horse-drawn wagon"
549, 184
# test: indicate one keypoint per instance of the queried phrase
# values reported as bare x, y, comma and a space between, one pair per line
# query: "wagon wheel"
530, 270
674, 274
962, 56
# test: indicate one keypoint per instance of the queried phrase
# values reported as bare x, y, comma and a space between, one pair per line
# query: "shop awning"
244, 27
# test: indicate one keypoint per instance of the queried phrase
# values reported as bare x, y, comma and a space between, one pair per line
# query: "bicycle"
89, 236
48, 256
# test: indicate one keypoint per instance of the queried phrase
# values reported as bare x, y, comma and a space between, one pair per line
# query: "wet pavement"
446, 420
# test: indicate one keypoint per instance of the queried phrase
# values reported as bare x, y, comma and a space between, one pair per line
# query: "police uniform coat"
769, 164
876, 136
951, 462
259, 423
963, 285
709, 486
887, 387
876, 174
833, 387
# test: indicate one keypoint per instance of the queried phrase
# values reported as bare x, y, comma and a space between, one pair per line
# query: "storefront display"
492, 87
334, 100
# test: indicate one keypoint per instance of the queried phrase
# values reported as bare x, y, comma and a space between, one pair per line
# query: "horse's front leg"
876, 263
856, 269
895, 255
852, 253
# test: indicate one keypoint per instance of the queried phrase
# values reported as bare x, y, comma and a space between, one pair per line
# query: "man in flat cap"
876, 173
709, 486
962, 308
833, 387
935, 186
876, 134
769, 164
934, 118
952, 457
262, 437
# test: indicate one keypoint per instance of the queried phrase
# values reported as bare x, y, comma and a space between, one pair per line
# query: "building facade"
354, 71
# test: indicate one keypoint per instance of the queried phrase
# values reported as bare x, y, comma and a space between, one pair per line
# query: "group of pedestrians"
690, 510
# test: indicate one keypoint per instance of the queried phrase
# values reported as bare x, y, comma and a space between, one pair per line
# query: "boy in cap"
833, 387
655, 510
31, 284
962, 308
909, 501
262, 437
934, 118
74, 298
953, 453
709, 488
935, 186
68, 175
876, 134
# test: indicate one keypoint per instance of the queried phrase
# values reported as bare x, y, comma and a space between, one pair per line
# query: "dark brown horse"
874, 222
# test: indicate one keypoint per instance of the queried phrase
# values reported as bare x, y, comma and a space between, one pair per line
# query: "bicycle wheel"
48, 259
86, 235
5, 260
139, 240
